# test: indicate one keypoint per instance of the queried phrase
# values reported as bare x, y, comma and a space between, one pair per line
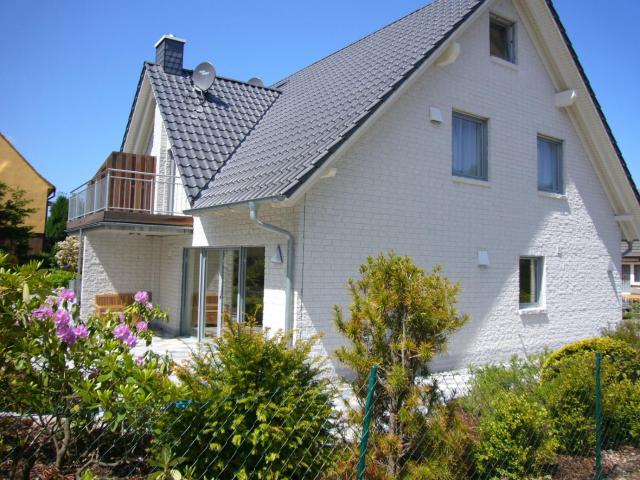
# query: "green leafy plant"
628, 330
515, 440
166, 465
400, 319
491, 381
254, 407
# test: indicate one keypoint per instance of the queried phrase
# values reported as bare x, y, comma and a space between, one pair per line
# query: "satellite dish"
255, 81
203, 76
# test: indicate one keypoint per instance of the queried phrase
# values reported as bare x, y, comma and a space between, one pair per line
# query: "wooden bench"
113, 302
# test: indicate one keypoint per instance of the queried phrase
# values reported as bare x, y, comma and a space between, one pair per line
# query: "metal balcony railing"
128, 191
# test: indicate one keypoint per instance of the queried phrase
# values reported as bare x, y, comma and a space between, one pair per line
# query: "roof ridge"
355, 42
35, 170
226, 79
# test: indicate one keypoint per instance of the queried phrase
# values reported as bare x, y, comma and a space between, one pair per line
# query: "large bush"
78, 382
625, 357
568, 390
515, 439
254, 408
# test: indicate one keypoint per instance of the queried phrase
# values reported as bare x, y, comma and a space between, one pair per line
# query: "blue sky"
69, 69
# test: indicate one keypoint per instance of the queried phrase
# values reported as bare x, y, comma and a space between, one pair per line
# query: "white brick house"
359, 153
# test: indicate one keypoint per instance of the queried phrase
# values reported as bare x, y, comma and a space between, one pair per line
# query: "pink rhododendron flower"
140, 360
150, 305
121, 317
66, 294
62, 318
50, 300
141, 297
81, 331
142, 326
66, 334
122, 331
42, 312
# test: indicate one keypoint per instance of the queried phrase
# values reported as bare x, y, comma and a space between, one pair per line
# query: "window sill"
504, 63
532, 311
472, 181
557, 196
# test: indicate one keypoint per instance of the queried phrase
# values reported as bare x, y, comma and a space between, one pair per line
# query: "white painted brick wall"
394, 189
120, 262
232, 227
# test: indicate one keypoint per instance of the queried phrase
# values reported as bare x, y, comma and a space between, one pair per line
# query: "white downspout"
288, 315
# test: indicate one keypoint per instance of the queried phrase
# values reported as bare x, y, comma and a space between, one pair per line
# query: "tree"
400, 319
14, 210
57, 222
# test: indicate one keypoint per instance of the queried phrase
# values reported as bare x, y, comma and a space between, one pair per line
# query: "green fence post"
598, 418
366, 421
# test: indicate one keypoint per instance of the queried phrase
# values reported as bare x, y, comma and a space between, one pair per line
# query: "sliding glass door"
221, 285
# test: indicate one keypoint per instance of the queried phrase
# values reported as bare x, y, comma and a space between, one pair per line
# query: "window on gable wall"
502, 39
550, 165
530, 281
469, 146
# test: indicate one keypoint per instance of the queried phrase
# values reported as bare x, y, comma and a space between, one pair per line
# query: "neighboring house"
18, 173
631, 270
464, 134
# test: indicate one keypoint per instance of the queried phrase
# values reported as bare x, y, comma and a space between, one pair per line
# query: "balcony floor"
111, 216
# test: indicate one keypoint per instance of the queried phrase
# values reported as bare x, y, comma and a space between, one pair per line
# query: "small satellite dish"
256, 82
203, 76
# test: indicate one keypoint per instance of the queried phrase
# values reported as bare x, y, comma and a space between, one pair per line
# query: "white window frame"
484, 148
559, 144
510, 26
633, 281
538, 279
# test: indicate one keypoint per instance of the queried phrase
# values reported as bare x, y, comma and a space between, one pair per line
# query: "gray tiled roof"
203, 135
322, 104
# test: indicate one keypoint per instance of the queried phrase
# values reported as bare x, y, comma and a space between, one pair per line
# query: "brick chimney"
169, 53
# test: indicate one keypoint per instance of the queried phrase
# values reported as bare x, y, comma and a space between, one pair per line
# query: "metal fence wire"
529, 419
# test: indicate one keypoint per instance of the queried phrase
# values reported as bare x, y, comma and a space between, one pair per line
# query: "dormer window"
502, 39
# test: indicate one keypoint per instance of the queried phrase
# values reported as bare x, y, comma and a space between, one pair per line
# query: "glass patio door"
217, 284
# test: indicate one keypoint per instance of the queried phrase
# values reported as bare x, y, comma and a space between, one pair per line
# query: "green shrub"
569, 395
628, 330
60, 278
256, 408
515, 440
621, 414
490, 381
625, 357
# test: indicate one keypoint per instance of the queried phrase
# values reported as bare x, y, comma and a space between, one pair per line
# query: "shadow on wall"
483, 290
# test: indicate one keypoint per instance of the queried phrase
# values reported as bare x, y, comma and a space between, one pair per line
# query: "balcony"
127, 190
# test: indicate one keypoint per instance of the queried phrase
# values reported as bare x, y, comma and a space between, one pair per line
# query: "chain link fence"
546, 417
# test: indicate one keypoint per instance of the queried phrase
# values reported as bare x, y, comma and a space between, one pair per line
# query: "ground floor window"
530, 281
630, 276
221, 284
